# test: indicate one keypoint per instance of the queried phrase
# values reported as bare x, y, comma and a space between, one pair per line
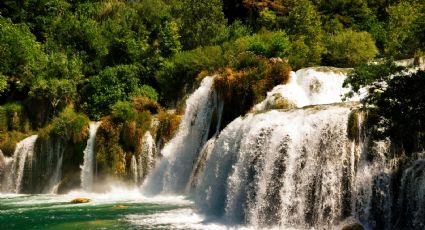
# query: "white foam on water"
184, 218
127, 194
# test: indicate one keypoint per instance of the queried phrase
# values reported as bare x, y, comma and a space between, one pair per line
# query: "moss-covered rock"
354, 125
118, 139
168, 123
80, 200
248, 83
13, 117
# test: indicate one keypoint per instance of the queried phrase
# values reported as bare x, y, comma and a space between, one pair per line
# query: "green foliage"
21, 56
350, 48
368, 74
118, 136
112, 85
146, 91
202, 22
69, 125
401, 24
59, 92
13, 117
182, 69
304, 24
8, 141
4, 86
237, 29
168, 125
123, 111
396, 97
403, 108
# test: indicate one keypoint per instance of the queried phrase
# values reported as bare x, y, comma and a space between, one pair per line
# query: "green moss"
282, 103
353, 126
13, 117
168, 125
8, 141
117, 140
69, 125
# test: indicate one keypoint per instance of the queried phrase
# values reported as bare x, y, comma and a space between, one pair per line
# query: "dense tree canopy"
95, 54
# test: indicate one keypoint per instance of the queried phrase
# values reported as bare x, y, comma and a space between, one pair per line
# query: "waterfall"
172, 174
57, 174
410, 203
21, 161
134, 170
146, 159
87, 172
310, 86
312, 165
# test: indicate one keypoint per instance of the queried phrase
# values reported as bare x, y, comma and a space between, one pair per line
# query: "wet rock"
80, 200
353, 226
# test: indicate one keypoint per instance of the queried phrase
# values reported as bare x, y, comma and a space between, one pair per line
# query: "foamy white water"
87, 172
172, 173
309, 86
14, 168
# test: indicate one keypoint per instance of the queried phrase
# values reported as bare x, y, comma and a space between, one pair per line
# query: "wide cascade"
313, 164
87, 169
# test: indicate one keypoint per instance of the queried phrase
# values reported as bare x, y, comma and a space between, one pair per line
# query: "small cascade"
21, 161
309, 86
146, 159
134, 169
411, 200
4, 164
57, 175
173, 173
87, 172
200, 164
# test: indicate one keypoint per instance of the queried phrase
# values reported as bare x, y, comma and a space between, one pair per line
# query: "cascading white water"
312, 165
87, 172
14, 171
146, 159
309, 86
134, 170
269, 168
173, 173
56, 177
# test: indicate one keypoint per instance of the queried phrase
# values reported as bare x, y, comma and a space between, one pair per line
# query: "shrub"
350, 48
265, 43
146, 91
123, 111
113, 84
69, 125
181, 70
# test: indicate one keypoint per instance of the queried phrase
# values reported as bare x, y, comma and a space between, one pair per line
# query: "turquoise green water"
105, 211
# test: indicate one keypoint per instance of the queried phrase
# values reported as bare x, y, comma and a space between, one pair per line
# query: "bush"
265, 43
350, 48
69, 125
123, 111
146, 91
181, 70
113, 84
